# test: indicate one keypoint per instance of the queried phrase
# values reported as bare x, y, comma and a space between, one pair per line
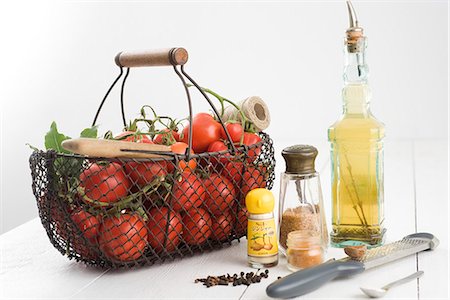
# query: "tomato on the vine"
252, 178
167, 137
242, 221
205, 130
105, 183
249, 140
180, 148
233, 171
222, 225
218, 159
88, 225
187, 191
197, 226
234, 129
220, 193
133, 136
123, 237
144, 172
164, 223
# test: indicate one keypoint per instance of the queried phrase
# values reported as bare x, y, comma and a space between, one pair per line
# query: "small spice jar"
304, 249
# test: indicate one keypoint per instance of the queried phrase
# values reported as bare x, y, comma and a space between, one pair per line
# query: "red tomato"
205, 130
159, 229
180, 148
220, 193
105, 183
233, 171
218, 159
132, 136
88, 224
197, 226
241, 222
143, 173
168, 137
252, 179
187, 191
58, 215
123, 238
222, 225
251, 139
234, 129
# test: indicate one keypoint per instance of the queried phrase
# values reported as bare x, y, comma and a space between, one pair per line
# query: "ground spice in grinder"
299, 218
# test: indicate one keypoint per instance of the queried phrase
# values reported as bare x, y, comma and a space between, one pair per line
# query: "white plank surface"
400, 221
416, 188
431, 173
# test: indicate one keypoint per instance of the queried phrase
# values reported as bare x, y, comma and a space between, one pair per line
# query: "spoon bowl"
380, 292
373, 293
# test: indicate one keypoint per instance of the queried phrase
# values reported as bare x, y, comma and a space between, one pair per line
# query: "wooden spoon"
110, 148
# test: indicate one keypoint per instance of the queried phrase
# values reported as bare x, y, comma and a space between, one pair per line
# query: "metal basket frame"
59, 195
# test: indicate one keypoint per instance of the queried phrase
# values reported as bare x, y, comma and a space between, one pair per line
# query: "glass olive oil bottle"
356, 153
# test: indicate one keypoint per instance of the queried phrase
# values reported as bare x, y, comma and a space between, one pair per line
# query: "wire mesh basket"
126, 212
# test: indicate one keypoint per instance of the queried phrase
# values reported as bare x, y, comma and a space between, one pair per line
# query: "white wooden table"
416, 193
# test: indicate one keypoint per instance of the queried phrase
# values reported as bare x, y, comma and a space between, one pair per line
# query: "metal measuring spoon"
380, 292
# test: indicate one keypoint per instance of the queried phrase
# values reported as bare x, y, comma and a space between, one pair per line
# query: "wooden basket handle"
152, 58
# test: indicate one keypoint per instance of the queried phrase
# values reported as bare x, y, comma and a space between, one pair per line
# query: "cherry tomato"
241, 222
143, 173
132, 136
251, 139
58, 215
205, 130
105, 183
159, 229
168, 137
89, 225
234, 129
233, 171
197, 226
220, 193
219, 159
252, 179
180, 148
222, 225
187, 191
123, 237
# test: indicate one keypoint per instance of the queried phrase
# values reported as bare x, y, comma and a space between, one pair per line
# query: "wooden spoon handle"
111, 148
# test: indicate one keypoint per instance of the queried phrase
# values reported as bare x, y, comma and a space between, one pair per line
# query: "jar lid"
300, 159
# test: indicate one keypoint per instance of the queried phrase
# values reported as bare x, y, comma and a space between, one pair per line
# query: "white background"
57, 62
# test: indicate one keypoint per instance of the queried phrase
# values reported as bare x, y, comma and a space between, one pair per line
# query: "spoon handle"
403, 280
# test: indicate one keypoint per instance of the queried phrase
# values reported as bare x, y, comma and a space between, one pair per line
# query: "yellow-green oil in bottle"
357, 172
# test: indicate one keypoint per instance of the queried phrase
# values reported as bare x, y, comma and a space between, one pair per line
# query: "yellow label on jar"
262, 238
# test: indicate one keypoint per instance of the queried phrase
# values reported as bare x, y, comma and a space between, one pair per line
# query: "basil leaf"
89, 132
53, 139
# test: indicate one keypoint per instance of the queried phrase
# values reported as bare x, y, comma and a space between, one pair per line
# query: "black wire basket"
126, 212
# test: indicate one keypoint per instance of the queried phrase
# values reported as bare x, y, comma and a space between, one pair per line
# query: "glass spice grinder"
301, 204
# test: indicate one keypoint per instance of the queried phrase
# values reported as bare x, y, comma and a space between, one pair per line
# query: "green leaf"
53, 139
89, 132
32, 147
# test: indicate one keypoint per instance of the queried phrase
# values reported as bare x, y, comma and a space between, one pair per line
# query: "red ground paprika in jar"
304, 249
